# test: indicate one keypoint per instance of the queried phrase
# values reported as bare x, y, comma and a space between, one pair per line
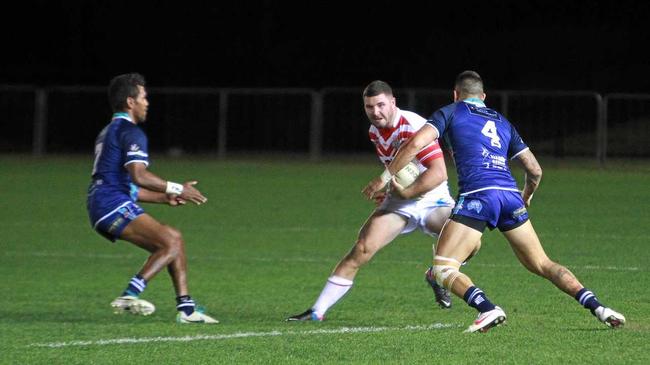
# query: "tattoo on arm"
533, 172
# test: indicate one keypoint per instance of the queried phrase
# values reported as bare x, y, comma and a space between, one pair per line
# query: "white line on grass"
135, 340
288, 259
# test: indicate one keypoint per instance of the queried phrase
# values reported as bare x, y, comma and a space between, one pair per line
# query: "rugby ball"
407, 175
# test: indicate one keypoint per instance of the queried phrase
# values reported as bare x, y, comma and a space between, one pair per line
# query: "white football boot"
133, 305
610, 317
195, 317
487, 320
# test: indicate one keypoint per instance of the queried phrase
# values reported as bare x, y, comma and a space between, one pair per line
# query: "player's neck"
474, 100
395, 119
124, 115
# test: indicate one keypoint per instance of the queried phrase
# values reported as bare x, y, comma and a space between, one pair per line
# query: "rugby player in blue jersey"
482, 141
119, 179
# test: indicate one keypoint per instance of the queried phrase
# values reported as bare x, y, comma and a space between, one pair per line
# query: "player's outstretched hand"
192, 194
373, 187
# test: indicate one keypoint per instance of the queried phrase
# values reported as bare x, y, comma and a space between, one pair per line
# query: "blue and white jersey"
120, 143
482, 141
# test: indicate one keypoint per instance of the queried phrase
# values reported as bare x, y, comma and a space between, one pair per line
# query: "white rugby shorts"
416, 211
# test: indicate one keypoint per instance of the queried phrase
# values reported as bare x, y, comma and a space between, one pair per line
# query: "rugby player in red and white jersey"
424, 205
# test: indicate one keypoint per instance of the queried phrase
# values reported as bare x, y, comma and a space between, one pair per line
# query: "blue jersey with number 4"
482, 141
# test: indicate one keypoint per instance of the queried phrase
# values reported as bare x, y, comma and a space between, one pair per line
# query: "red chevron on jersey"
388, 140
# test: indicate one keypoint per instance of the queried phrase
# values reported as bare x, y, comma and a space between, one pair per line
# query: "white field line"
288, 259
274, 333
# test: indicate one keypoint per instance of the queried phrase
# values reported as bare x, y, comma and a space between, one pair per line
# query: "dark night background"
567, 45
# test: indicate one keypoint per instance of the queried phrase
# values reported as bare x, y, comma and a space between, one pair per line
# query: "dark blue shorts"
503, 209
111, 224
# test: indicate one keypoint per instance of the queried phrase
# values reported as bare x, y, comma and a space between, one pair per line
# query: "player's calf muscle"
564, 279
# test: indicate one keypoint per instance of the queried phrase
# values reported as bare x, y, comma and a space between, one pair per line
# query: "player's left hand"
192, 194
174, 200
373, 187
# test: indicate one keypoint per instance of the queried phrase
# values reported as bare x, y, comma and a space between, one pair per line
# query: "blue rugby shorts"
111, 224
503, 209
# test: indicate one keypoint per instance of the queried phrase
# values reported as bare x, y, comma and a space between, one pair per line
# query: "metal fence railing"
626, 125
307, 121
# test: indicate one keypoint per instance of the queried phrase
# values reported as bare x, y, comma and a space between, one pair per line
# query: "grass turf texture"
262, 247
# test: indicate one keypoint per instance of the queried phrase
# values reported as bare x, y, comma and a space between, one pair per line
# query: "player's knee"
541, 267
362, 251
174, 241
445, 275
361, 247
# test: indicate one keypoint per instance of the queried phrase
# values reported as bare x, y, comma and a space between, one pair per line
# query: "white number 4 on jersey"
490, 130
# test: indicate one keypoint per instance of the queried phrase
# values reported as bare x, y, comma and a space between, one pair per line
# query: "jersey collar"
122, 115
475, 101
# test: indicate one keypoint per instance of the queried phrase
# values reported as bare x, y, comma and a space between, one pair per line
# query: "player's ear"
130, 102
483, 96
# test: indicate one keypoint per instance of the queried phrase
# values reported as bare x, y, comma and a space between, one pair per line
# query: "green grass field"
263, 246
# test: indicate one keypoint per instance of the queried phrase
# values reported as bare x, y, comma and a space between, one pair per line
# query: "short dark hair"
469, 83
377, 87
122, 87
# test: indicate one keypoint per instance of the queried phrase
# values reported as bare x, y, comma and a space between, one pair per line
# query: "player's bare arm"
406, 153
533, 175
426, 181
148, 180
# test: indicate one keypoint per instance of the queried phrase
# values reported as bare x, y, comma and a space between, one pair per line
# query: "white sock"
334, 289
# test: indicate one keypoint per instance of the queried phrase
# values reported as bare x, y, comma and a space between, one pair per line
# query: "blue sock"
475, 298
186, 304
136, 286
588, 300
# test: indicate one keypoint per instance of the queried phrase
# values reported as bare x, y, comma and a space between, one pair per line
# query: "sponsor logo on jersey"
519, 212
493, 161
134, 147
475, 205
482, 111
115, 225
